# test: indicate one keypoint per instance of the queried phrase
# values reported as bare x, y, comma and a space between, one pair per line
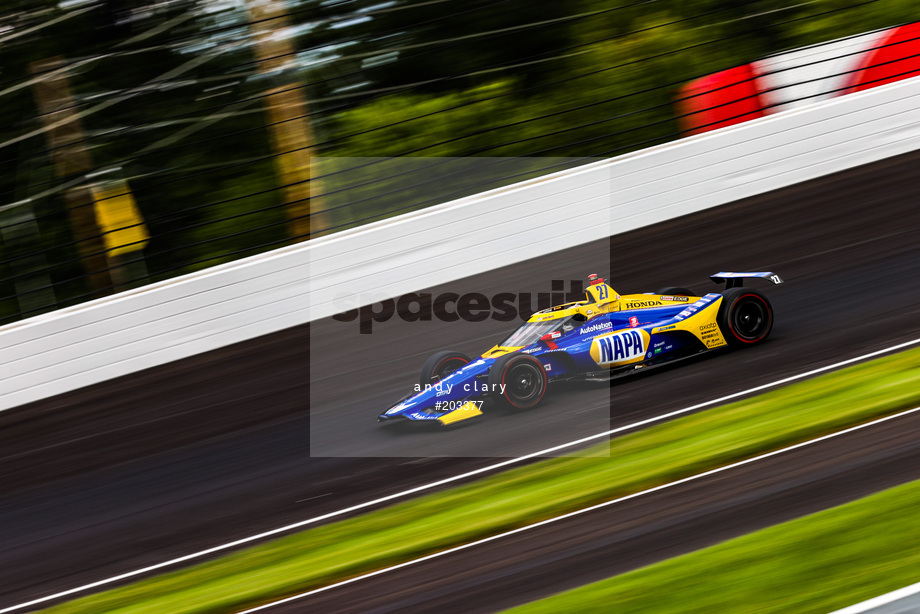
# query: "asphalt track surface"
217, 447
624, 536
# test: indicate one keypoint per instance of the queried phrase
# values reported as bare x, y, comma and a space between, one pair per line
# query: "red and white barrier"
801, 77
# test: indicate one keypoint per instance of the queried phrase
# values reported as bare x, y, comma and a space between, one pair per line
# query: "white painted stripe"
585, 510
425, 487
882, 600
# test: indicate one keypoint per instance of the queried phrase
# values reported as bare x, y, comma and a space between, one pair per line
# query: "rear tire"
440, 366
521, 377
745, 317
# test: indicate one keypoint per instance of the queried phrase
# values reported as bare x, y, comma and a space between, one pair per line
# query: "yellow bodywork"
631, 343
499, 350
470, 409
701, 325
628, 302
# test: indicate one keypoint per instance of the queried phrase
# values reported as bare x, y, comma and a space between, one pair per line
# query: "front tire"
745, 317
441, 365
518, 380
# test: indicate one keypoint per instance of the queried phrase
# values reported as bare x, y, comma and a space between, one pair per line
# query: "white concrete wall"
802, 77
103, 339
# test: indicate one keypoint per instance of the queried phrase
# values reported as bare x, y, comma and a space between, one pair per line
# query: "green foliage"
613, 91
248, 218
439, 125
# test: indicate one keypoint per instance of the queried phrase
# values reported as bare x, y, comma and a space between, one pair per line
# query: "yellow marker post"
120, 221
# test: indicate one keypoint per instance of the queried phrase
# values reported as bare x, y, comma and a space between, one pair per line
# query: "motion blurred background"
143, 140
147, 139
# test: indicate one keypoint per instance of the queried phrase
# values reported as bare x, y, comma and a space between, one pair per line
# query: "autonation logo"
471, 307
595, 327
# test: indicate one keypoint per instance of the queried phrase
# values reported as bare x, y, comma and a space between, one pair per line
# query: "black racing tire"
524, 380
745, 317
441, 365
674, 291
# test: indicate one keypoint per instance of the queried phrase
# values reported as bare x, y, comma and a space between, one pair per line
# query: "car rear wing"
736, 280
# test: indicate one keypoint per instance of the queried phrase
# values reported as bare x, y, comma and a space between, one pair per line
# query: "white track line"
462, 476
583, 510
882, 600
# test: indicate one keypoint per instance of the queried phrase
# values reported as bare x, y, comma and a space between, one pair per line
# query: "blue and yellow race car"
604, 336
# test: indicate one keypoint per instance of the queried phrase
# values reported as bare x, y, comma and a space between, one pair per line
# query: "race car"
604, 336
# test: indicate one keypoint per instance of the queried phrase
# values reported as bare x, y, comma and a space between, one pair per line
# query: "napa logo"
620, 347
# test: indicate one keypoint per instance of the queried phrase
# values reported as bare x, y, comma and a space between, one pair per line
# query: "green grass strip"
818, 563
657, 455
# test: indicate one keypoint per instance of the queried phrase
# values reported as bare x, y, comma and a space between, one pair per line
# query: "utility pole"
104, 219
64, 135
286, 107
